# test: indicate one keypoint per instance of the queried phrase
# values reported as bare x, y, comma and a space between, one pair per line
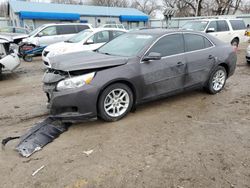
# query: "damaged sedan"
134, 68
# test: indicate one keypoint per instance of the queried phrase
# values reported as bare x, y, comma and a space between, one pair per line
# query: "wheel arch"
235, 38
225, 66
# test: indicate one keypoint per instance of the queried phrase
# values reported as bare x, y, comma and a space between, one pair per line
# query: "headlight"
75, 82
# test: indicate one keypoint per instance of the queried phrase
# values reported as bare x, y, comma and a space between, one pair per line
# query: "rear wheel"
217, 80
115, 102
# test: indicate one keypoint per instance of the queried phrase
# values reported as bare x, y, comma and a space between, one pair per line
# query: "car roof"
50, 24
107, 29
216, 19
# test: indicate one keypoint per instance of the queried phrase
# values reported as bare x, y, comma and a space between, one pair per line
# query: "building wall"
4, 22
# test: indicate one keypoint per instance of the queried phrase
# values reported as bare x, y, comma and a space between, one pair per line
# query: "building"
33, 14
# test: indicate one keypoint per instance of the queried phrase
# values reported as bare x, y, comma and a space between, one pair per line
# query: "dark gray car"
134, 68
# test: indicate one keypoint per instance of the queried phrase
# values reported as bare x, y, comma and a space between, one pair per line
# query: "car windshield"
195, 25
80, 36
126, 45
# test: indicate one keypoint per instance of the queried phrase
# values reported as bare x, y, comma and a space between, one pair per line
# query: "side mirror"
89, 41
210, 30
152, 56
40, 34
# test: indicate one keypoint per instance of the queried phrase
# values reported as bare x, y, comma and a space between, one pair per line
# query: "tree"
110, 3
147, 6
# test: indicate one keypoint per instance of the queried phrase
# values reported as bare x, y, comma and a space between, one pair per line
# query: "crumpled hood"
85, 60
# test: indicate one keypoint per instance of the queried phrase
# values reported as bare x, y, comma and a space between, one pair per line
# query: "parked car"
134, 68
118, 26
89, 39
248, 55
51, 33
9, 59
14, 30
228, 30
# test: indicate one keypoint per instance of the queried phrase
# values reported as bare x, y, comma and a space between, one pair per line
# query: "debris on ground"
40, 135
88, 152
35, 172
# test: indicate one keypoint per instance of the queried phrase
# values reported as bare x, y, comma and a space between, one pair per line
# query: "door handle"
210, 57
180, 64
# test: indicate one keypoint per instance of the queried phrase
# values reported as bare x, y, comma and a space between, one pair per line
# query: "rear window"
66, 29
80, 28
196, 42
238, 24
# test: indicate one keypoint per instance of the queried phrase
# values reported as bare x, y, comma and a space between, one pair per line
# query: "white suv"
51, 33
227, 30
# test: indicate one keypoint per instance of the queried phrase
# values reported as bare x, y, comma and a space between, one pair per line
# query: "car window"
20, 30
194, 42
207, 43
81, 27
49, 31
168, 45
222, 26
101, 37
120, 26
117, 33
66, 29
213, 24
238, 24
195, 25
80, 36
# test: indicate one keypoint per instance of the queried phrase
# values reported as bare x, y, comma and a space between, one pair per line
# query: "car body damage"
151, 63
92, 60
40, 135
9, 59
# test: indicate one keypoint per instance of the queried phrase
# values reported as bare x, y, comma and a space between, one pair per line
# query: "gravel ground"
189, 140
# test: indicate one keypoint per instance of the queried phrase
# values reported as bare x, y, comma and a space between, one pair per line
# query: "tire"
27, 58
217, 80
235, 43
114, 107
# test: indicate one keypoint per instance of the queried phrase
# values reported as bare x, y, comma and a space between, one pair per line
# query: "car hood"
85, 60
62, 47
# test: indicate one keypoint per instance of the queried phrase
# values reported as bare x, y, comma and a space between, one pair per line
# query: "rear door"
199, 57
167, 74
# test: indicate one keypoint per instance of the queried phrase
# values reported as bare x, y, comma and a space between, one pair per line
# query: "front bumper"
73, 104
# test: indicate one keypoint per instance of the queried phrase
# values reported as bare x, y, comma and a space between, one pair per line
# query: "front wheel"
217, 80
115, 102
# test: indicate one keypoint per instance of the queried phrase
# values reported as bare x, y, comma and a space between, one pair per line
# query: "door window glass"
49, 31
222, 26
213, 25
66, 29
207, 43
169, 45
238, 24
193, 42
81, 27
117, 33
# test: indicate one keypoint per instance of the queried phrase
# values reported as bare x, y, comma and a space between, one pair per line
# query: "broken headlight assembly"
75, 82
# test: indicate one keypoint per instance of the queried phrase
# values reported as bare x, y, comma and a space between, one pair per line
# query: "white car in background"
90, 39
52, 33
227, 30
9, 59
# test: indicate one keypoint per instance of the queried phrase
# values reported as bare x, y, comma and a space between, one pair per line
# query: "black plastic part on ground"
40, 135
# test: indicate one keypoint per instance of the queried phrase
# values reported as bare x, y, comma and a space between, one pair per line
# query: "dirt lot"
190, 140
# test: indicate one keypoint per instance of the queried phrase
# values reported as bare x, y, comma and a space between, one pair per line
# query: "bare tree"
110, 3
3, 9
147, 6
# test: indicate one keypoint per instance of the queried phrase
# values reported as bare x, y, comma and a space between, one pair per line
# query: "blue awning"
48, 16
133, 18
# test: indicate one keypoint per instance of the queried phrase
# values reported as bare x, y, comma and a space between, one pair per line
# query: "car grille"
45, 53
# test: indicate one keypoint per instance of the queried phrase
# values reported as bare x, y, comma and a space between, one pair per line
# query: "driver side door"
167, 75
47, 36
